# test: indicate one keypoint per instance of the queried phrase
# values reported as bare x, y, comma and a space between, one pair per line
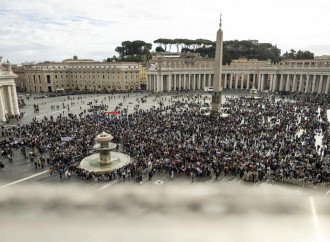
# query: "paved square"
159, 182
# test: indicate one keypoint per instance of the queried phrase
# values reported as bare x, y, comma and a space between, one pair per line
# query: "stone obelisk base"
216, 102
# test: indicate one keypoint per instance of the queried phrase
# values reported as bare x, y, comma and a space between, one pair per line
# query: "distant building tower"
217, 84
254, 41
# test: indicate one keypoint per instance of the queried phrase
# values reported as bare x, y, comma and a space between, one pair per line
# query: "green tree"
159, 49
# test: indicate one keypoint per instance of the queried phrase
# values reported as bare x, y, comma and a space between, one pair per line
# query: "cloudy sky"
39, 30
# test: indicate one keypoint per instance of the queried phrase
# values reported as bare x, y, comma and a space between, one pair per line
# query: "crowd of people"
256, 139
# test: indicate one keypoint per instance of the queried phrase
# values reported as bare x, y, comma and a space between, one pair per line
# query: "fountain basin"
92, 163
99, 148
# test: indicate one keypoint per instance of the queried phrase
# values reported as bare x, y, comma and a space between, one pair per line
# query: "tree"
159, 49
127, 45
292, 54
297, 55
113, 59
304, 55
163, 42
120, 50
177, 42
170, 43
134, 50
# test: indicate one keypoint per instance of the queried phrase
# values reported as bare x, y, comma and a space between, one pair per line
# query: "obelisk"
217, 85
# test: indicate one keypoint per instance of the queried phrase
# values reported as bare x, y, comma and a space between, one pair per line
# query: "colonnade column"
148, 85
199, 81
242, 81
327, 91
307, 84
151, 83
320, 85
209, 85
202, 81
248, 82
189, 82
236, 81
262, 82
185, 86
281, 83
169, 86
294, 84
231, 81
301, 84
193, 81
287, 86
9, 101
225, 83
14, 99
275, 88
254, 81
259, 80
155, 83
313, 84
271, 82
2, 106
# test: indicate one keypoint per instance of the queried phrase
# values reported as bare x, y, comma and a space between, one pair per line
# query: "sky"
47, 30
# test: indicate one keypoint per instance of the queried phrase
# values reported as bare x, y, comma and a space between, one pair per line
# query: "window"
48, 78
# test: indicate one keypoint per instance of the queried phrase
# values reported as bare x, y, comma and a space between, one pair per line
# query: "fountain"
253, 93
105, 160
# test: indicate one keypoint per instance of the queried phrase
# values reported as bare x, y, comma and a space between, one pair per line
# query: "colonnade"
8, 101
272, 81
179, 81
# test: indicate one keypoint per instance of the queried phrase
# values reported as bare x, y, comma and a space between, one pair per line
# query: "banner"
111, 112
66, 138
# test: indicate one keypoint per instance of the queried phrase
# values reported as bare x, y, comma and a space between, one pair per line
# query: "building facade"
143, 76
168, 74
81, 75
20, 79
8, 95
